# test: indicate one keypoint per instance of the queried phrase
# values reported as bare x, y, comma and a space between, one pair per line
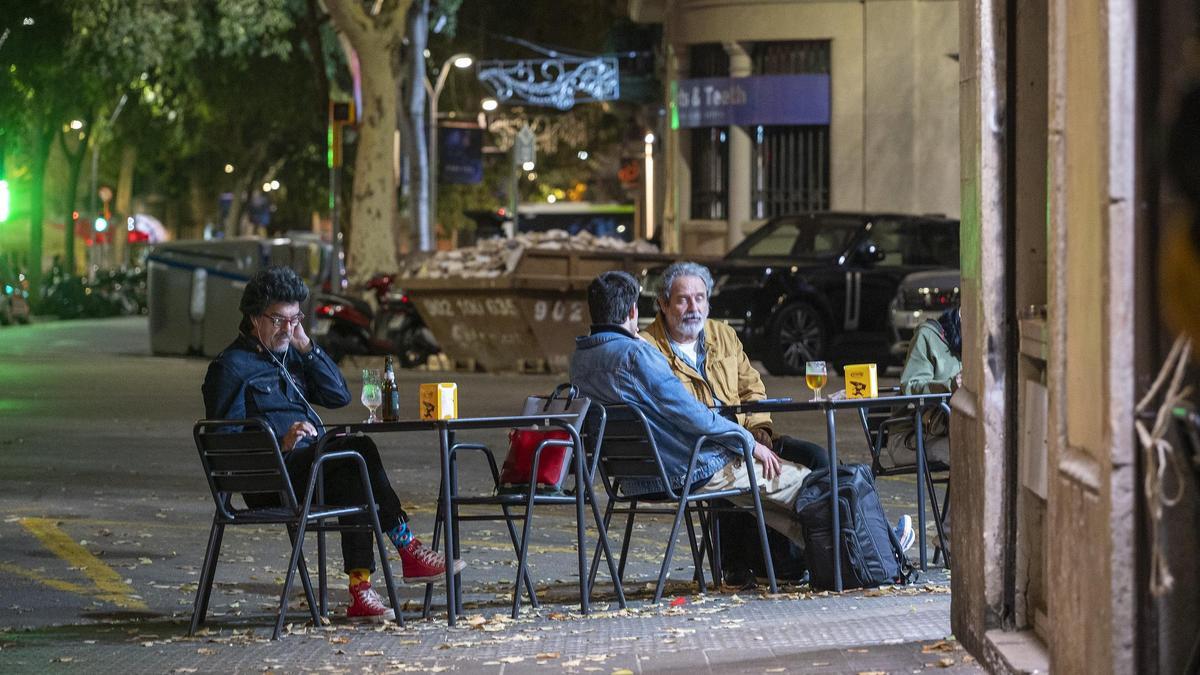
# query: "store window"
789, 170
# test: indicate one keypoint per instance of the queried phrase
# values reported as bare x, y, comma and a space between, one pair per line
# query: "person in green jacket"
933, 364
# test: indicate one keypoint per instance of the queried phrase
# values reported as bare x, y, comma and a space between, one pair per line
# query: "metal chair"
528, 497
877, 424
242, 457
628, 451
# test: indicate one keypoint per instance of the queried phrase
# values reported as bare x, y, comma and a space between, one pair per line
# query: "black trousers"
343, 487
740, 549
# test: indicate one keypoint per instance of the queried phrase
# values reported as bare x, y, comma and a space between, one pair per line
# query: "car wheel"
798, 334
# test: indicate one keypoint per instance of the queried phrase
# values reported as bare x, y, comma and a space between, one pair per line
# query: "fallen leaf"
939, 646
547, 655
372, 652
946, 662
679, 601
512, 659
622, 671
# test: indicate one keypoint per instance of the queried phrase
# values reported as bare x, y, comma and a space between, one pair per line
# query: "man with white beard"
708, 359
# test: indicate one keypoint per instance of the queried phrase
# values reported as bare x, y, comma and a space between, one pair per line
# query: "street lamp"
435, 91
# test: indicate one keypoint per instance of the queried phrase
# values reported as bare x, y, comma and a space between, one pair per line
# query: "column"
739, 155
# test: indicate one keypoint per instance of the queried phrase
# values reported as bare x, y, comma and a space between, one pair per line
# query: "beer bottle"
391, 394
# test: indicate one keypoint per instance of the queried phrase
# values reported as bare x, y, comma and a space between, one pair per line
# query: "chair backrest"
628, 450
242, 457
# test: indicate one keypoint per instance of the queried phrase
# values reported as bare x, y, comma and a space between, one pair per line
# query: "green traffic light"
4, 201
101, 224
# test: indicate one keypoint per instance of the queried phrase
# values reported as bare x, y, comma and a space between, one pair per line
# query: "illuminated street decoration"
550, 132
559, 82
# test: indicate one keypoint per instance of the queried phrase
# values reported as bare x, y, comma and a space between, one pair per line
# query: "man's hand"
772, 465
763, 436
300, 339
295, 432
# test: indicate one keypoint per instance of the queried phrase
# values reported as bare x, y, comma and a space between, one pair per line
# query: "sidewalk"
887, 630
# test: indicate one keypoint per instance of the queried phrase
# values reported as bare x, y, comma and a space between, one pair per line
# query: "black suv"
818, 286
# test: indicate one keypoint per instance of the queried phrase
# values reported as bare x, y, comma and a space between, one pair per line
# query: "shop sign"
745, 101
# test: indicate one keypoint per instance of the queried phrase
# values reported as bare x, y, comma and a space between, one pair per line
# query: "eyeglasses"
278, 321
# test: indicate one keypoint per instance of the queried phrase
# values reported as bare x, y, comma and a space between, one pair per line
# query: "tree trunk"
376, 40
123, 206
75, 167
418, 38
37, 204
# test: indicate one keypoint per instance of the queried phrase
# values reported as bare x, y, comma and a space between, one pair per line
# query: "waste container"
194, 287
531, 315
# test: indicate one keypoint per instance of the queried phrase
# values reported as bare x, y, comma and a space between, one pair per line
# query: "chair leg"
293, 563
706, 543
666, 564
697, 557
207, 574
437, 532
715, 525
523, 556
625, 542
603, 544
306, 582
512, 535
762, 538
604, 522
939, 519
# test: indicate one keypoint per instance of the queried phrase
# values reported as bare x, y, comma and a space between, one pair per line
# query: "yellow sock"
359, 575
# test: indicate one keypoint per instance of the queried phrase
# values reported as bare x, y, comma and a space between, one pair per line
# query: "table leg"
831, 431
922, 470
447, 526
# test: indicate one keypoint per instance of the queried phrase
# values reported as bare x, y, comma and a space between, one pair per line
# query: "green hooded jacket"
930, 366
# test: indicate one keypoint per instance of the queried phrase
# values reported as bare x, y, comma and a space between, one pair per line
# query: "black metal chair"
878, 423
530, 496
627, 451
242, 457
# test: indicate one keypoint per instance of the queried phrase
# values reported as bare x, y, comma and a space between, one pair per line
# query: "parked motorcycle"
349, 326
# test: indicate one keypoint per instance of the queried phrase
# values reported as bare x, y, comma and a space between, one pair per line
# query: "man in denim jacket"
275, 373
613, 365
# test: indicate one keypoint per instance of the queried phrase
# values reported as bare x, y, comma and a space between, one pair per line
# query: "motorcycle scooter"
349, 326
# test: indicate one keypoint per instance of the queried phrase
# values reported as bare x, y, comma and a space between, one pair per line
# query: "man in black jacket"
274, 372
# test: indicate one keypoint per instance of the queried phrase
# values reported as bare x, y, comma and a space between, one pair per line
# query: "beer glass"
814, 377
372, 392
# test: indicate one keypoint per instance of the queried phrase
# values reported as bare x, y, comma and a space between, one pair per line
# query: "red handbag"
553, 464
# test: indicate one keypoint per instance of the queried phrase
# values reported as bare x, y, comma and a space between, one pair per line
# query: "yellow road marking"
112, 588
56, 584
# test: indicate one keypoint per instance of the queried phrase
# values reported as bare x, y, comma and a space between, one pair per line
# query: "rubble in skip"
496, 257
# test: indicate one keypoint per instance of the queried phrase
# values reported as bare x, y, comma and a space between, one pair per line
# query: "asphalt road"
104, 513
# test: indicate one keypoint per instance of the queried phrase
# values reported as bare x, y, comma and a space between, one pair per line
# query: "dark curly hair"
611, 296
267, 287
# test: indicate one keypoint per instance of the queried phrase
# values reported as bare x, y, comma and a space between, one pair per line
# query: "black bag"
870, 553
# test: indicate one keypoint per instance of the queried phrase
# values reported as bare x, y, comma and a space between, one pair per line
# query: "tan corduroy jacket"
731, 378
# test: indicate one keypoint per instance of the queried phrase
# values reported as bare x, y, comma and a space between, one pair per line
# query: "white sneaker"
905, 533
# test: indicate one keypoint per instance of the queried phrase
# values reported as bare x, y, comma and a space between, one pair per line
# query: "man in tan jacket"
708, 359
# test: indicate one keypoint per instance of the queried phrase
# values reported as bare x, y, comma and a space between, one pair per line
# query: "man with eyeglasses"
274, 372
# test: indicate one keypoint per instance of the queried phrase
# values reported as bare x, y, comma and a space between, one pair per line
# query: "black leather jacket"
244, 381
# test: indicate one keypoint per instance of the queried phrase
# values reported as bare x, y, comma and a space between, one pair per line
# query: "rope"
1160, 455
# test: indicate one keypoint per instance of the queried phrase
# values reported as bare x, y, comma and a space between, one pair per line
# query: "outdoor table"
829, 406
445, 430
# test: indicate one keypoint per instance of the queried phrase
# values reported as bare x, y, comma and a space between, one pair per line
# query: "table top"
790, 405
452, 424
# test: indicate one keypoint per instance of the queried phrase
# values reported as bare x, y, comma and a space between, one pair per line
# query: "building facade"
781, 107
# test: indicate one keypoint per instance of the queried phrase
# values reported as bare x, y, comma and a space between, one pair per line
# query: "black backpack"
871, 554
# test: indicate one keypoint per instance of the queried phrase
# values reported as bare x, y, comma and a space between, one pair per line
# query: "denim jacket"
244, 381
611, 367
